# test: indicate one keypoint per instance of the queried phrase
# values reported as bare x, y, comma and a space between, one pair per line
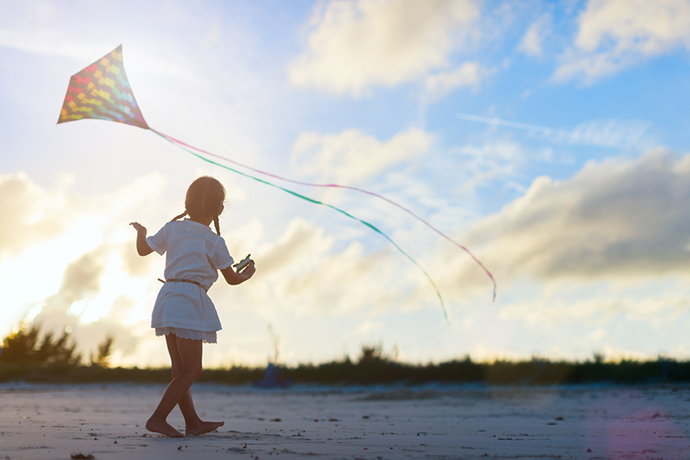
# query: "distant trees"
25, 346
103, 352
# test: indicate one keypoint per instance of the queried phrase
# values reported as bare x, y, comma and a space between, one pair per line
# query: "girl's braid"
180, 216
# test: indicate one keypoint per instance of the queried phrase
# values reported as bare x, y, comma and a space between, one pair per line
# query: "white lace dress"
194, 254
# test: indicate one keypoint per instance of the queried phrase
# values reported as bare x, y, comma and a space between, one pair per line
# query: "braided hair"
204, 198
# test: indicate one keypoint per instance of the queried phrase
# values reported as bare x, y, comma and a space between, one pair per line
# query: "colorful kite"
101, 91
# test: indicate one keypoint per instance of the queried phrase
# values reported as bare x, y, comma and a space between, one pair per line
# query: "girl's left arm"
142, 247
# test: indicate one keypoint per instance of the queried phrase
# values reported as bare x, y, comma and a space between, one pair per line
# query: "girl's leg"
194, 425
189, 354
186, 404
185, 356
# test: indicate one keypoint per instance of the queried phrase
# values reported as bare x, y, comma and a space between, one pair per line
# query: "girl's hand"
138, 227
142, 247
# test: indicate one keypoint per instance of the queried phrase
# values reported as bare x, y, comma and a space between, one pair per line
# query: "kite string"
348, 187
311, 200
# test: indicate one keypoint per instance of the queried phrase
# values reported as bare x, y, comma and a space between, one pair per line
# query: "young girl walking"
183, 312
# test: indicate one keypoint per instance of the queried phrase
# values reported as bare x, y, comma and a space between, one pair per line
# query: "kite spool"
243, 263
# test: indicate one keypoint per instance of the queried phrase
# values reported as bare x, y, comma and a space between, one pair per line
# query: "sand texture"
580, 422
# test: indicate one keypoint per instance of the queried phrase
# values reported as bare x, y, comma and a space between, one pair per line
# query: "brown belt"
180, 280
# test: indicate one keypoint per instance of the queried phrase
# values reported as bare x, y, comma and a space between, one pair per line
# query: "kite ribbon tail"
348, 187
311, 200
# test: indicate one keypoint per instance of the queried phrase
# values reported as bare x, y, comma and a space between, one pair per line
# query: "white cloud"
51, 39
306, 271
642, 318
50, 42
619, 134
480, 164
622, 134
613, 220
469, 74
616, 34
531, 43
357, 44
213, 35
352, 156
76, 243
36, 214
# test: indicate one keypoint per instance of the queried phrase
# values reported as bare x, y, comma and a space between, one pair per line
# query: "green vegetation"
25, 356
23, 347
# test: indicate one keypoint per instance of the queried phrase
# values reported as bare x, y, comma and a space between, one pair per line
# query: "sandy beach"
579, 422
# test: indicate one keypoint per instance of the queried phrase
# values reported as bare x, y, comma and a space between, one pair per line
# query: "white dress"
194, 253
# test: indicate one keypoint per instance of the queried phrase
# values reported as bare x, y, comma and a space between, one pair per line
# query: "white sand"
106, 421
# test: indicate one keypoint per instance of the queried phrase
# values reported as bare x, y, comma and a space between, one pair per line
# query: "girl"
183, 311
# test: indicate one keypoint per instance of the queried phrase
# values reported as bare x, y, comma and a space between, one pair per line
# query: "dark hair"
204, 197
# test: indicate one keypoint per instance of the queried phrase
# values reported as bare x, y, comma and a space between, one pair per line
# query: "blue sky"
548, 137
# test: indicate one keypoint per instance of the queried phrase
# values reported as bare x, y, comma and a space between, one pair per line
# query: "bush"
24, 347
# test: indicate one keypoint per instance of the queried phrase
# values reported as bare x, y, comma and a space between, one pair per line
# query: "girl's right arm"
142, 247
234, 278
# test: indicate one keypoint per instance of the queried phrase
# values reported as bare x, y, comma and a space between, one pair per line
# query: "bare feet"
163, 428
203, 427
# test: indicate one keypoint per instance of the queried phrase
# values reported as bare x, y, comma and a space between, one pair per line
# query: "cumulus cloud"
34, 214
82, 277
469, 74
616, 34
357, 44
75, 243
607, 308
614, 219
531, 43
293, 246
352, 156
308, 271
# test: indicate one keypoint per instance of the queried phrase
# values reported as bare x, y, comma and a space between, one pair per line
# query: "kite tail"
311, 200
348, 187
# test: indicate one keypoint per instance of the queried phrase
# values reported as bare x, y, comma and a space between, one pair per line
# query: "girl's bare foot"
203, 427
163, 428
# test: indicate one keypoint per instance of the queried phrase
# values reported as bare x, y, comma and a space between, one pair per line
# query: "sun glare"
36, 274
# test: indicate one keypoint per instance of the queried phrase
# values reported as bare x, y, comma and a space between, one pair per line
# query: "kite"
102, 91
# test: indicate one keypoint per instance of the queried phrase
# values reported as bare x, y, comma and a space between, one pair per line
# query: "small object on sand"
273, 378
82, 456
245, 445
276, 420
560, 419
589, 450
179, 448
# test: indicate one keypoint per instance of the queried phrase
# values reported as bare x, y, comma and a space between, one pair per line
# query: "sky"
550, 138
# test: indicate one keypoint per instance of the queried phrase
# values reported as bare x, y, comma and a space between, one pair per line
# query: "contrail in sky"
511, 124
625, 134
